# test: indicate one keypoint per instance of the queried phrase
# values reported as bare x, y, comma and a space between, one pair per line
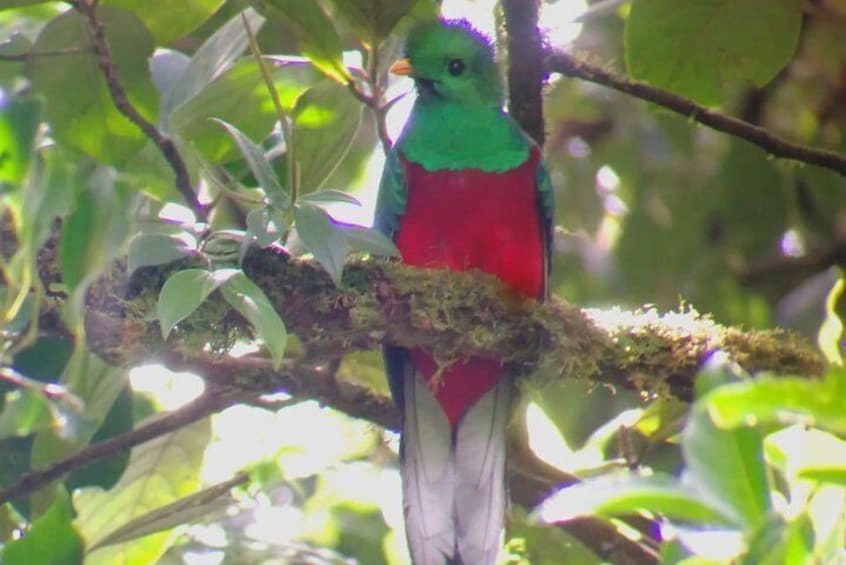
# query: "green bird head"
451, 61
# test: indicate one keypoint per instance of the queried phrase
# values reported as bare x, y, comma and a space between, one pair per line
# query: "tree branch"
525, 80
88, 9
201, 407
558, 62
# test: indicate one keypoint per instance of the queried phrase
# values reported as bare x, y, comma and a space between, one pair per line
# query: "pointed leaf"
616, 496
188, 509
183, 292
252, 303
330, 196
258, 163
326, 119
370, 240
149, 249
322, 237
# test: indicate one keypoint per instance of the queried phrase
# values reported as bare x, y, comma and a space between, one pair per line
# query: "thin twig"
203, 406
40, 54
570, 66
122, 103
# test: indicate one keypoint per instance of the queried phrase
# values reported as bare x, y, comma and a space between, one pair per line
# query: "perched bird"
463, 188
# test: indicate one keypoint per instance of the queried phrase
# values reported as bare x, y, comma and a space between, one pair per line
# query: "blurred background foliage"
652, 209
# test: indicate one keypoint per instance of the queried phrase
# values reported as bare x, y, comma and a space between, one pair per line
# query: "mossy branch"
452, 314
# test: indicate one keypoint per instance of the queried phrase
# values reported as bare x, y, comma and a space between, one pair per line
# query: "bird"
463, 188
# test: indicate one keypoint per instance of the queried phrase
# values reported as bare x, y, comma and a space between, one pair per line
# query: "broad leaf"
323, 238
617, 496
326, 118
24, 412
184, 291
258, 163
160, 472
149, 249
86, 118
52, 539
696, 48
168, 21
237, 96
213, 57
316, 34
18, 122
727, 467
783, 401
830, 337
252, 303
373, 20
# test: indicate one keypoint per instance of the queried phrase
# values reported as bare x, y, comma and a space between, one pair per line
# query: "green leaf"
149, 249
258, 163
92, 235
835, 474
97, 385
160, 472
830, 338
373, 20
252, 303
52, 539
11, 4
630, 494
325, 118
727, 466
237, 96
695, 48
18, 122
370, 240
323, 238
86, 118
315, 32
24, 412
209, 501
329, 196
783, 400
184, 291
168, 21
213, 57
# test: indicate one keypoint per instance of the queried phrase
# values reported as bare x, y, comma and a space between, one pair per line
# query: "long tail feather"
453, 482
480, 494
428, 484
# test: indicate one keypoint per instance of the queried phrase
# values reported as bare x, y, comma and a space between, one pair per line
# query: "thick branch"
558, 62
88, 9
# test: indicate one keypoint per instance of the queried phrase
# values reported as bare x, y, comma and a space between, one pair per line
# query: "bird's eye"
455, 67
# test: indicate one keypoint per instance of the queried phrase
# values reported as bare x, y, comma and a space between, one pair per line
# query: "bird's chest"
474, 219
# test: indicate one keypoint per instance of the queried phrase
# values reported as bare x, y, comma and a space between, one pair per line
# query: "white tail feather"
427, 475
480, 494
453, 488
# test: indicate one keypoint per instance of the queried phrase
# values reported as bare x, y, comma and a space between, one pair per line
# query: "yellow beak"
402, 67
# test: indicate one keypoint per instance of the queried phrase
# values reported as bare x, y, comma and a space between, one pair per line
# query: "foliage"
274, 108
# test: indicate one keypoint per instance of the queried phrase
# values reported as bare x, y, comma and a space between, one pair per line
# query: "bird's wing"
546, 211
393, 192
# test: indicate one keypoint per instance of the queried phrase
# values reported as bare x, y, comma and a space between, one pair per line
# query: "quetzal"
463, 188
